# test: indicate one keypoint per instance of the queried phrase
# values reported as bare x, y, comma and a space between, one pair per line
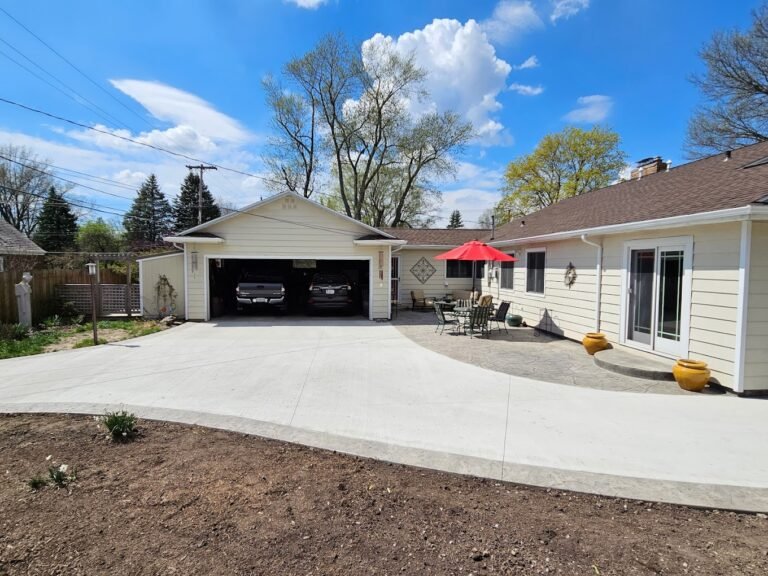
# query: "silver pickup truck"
261, 291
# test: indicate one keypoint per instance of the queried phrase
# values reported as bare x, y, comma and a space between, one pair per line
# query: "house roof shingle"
437, 236
14, 242
704, 185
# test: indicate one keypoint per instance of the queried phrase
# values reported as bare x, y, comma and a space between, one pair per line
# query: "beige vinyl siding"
437, 285
172, 266
756, 354
563, 310
714, 291
290, 229
571, 312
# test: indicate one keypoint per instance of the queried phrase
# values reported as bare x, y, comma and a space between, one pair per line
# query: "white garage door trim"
209, 257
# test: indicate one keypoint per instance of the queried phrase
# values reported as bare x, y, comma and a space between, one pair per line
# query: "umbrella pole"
473, 277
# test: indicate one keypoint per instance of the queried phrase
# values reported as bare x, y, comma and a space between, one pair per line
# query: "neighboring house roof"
14, 242
234, 213
702, 186
437, 236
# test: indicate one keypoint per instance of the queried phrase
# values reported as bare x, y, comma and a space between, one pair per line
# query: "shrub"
13, 332
121, 425
53, 321
69, 313
37, 482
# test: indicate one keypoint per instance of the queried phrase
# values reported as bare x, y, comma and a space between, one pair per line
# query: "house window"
507, 277
463, 269
535, 271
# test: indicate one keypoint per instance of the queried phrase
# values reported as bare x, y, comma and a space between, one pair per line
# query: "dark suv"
329, 291
259, 290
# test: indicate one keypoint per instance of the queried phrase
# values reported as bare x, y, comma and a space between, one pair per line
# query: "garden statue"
24, 300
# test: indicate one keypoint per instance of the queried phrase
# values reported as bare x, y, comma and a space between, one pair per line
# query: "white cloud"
525, 89
509, 19
308, 4
130, 177
590, 109
530, 62
475, 190
464, 73
183, 108
567, 8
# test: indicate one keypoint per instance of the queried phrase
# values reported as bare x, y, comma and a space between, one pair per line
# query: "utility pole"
202, 168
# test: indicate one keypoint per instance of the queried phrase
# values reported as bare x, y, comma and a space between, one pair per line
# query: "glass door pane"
669, 313
640, 311
395, 275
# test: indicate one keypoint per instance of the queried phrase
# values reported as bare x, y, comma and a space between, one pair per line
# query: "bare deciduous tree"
735, 89
351, 114
24, 185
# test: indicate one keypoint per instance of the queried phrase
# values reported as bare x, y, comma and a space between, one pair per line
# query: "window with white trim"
535, 261
507, 275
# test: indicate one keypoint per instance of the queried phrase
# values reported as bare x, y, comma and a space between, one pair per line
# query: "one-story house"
14, 245
671, 263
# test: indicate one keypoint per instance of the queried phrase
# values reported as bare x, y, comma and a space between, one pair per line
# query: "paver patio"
365, 388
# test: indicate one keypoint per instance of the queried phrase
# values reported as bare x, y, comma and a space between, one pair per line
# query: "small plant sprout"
59, 476
37, 482
121, 425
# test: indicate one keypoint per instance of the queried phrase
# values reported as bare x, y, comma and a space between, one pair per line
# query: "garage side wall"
287, 229
156, 304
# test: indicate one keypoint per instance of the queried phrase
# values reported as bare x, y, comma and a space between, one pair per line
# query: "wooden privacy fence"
44, 298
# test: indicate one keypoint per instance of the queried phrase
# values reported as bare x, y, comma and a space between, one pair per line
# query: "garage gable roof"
271, 199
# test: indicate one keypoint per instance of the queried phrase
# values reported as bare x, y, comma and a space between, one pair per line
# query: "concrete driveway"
364, 388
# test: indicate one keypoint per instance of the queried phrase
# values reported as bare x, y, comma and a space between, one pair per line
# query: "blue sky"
190, 73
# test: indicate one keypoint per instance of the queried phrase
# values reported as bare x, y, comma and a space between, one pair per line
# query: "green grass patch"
84, 343
35, 343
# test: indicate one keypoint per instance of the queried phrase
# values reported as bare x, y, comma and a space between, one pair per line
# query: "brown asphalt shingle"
437, 236
701, 186
14, 242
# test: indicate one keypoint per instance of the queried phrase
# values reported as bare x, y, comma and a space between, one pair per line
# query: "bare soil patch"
192, 500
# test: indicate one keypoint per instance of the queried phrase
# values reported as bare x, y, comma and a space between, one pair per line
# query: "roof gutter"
598, 278
193, 240
382, 242
748, 212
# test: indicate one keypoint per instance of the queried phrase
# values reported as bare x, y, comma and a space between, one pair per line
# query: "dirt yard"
188, 500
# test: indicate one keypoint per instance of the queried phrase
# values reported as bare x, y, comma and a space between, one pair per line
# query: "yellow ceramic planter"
594, 342
691, 375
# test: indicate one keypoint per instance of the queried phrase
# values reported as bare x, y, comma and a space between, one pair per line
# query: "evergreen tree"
185, 204
456, 221
150, 217
57, 225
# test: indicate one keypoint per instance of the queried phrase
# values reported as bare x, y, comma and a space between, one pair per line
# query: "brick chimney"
647, 166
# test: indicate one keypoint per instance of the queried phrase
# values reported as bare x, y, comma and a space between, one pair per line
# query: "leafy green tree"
185, 204
56, 226
735, 90
563, 165
456, 221
150, 217
99, 236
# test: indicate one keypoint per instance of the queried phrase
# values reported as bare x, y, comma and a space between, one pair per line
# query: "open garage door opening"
267, 287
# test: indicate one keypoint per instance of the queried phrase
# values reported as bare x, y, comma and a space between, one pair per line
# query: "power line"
93, 106
83, 74
133, 141
64, 179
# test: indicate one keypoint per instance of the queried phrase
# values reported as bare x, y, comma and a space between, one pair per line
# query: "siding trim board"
742, 307
209, 257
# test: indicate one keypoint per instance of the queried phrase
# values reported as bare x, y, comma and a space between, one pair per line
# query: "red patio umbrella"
475, 251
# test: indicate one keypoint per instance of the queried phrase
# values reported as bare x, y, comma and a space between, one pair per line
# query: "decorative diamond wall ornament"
423, 270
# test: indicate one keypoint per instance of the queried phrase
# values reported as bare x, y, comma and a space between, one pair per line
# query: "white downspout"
598, 278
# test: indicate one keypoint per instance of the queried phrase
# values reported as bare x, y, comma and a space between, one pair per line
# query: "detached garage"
287, 241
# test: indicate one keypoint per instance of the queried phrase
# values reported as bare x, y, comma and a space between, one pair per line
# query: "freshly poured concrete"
364, 388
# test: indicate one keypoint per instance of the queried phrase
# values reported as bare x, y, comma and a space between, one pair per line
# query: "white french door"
657, 295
